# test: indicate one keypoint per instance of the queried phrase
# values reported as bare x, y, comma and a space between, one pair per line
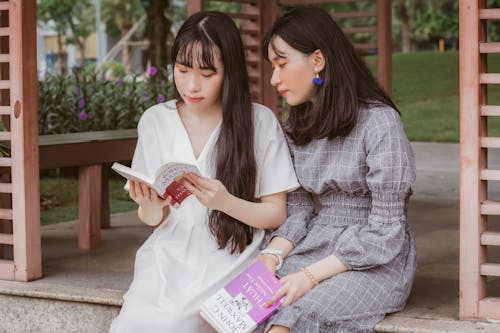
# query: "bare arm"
152, 209
269, 213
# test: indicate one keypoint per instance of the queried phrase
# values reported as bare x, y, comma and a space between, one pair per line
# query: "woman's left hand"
294, 286
210, 192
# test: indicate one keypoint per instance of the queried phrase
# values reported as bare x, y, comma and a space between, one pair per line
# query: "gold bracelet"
309, 275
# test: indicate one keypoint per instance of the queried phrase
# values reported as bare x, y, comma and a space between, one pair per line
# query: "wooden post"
24, 143
105, 218
194, 6
384, 47
472, 158
89, 207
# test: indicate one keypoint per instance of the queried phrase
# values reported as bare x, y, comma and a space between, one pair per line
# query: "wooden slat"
310, 2
5, 188
5, 162
490, 142
5, 136
4, 5
489, 207
489, 308
6, 239
4, 57
365, 46
5, 214
490, 238
489, 14
489, 47
490, 269
352, 14
7, 270
353, 30
371, 61
5, 110
243, 16
489, 78
487, 174
4, 31
4, 84
490, 110
250, 2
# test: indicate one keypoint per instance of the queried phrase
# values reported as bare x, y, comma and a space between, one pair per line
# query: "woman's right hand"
151, 206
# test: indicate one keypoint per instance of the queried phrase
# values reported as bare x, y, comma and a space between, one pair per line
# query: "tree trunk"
157, 28
61, 55
81, 48
405, 26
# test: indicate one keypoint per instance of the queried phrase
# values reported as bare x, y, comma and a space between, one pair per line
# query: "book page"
131, 174
168, 177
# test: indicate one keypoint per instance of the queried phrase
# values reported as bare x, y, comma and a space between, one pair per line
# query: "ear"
318, 60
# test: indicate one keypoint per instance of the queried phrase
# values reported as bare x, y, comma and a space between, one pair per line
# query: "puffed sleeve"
275, 172
300, 212
391, 173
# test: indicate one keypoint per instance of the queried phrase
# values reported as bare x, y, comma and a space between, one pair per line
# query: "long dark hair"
348, 83
235, 162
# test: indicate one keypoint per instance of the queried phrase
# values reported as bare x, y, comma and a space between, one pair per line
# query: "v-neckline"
188, 139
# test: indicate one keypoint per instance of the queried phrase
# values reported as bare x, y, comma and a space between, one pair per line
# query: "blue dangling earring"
317, 80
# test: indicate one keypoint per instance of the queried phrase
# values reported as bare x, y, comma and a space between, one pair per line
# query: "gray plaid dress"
363, 183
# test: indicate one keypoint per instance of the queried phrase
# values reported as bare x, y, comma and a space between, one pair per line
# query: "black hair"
348, 83
235, 162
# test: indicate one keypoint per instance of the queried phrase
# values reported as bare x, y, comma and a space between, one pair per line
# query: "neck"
211, 112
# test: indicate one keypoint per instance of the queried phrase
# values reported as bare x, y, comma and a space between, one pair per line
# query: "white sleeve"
275, 172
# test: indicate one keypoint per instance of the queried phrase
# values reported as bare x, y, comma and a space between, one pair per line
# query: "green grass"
426, 91
59, 199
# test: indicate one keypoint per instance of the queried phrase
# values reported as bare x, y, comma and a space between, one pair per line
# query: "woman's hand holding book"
152, 209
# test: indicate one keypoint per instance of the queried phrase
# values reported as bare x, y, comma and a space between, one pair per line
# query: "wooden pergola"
19, 190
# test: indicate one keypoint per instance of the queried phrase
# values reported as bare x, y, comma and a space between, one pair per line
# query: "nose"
275, 78
193, 83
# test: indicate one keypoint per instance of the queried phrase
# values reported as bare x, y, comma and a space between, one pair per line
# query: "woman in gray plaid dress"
349, 253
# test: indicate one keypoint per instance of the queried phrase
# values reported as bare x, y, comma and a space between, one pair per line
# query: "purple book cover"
257, 284
239, 306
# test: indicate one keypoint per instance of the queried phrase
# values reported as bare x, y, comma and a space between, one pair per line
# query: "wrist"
278, 254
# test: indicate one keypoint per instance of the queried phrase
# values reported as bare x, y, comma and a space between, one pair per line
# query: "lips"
191, 99
282, 92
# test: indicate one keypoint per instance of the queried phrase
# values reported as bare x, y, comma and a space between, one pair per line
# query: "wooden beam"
195, 6
472, 158
24, 144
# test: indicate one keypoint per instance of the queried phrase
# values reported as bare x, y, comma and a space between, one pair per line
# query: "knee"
279, 329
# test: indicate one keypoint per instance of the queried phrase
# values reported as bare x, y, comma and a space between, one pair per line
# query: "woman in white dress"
246, 171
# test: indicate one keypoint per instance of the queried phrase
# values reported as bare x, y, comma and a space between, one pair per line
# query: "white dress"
180, 265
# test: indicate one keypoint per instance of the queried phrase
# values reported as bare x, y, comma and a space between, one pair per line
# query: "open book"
166, 180
239, 306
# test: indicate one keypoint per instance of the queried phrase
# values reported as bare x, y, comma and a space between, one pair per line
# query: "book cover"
167, 179
238, 307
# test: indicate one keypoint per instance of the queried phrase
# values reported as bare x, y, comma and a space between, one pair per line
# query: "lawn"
425, 89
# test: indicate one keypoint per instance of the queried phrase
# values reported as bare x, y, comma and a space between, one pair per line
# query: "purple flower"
145, 95
78, 91
83, 115
160, 99
81, 103
104, 78
119, 83
152, 70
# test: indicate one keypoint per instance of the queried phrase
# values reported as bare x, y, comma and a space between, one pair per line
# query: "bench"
90, 151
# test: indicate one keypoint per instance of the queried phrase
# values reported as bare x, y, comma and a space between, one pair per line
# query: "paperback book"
167, 179
238, 307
